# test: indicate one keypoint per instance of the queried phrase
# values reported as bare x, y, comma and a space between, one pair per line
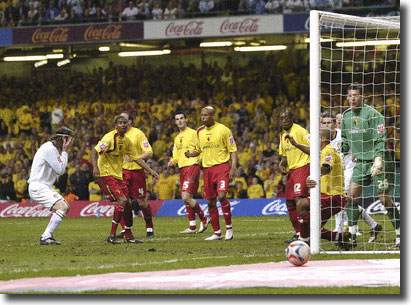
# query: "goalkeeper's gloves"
377, 167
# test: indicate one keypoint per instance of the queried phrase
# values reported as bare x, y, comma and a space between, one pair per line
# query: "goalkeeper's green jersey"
363, 131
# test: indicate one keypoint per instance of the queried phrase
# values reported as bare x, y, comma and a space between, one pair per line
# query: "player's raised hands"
67, 143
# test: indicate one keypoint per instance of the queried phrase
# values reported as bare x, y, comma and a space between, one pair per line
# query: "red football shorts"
135, 181
330, 205
112, 187
216, 180
295, 185
190, 178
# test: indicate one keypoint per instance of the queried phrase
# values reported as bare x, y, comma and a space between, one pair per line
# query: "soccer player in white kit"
341, 219
50, 161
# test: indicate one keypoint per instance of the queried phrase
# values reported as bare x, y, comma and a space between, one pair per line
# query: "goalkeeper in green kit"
363, 132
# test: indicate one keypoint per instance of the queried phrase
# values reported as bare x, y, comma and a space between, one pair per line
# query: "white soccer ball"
298, 253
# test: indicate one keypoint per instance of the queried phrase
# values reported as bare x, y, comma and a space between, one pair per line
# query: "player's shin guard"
353, 213
128, 220
191, 215
118, 213
304, 224
292, 212
215, 221
199, 211
226, 208
55, 221
148, 217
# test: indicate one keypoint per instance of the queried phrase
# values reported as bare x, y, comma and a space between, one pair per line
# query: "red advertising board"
77, 209
78, 33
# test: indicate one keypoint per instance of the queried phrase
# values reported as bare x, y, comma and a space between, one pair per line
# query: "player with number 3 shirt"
216, 144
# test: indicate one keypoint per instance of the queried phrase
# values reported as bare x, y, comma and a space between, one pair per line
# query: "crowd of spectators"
15, 13
247, 97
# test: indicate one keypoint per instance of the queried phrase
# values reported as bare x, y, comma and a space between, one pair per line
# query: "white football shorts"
44, 194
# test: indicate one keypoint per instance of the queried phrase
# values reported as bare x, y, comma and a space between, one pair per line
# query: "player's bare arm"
283, 165
191, 154
147, 168
233, 167
67, 143
94, 161
304, 148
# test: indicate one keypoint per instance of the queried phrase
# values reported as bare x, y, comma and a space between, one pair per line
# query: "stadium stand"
14, 13
249, 102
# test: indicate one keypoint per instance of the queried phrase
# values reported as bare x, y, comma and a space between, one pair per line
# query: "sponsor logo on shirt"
59, 159
328, 158
380, 129
103, 146
145, 144
231, 140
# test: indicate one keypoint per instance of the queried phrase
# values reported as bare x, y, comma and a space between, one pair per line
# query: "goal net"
345, 50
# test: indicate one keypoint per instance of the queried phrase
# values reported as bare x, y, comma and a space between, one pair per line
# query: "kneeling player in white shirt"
50, 161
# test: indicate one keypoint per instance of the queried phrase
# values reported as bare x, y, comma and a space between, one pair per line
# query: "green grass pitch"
84, 250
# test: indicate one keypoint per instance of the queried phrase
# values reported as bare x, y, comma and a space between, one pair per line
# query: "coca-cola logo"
95, 209
59, 34
18, 210
192, 28
182, 210
276, 207
247, 25
110, 32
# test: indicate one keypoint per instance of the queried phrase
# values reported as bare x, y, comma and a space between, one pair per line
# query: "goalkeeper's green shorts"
362, 175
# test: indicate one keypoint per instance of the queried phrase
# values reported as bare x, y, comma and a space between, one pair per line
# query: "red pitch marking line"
379, 272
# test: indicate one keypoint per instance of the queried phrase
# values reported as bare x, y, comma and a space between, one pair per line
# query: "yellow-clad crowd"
248, 101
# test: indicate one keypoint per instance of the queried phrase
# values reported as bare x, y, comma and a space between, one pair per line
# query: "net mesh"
365, 51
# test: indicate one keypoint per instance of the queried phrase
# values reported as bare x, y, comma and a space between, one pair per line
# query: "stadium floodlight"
260, 48
40, 63
368, 43
333, 67
63, 62
212, 44
104, 49
135, 45
144, 53
25, 58
54, 56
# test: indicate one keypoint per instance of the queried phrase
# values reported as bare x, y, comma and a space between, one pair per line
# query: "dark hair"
118, 118
355, 86
57, 137
65, 131
327, 114
180, 112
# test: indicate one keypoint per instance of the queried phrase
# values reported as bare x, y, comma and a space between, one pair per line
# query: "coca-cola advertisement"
77, 33
206, 27
77, 209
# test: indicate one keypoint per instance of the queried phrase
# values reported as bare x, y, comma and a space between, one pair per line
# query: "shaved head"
207, 116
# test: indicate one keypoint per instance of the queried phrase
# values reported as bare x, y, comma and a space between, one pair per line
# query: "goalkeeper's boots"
396, 244
132, 240
347, 243
374, 233
112, 240
294, 238
121, 234
49, 241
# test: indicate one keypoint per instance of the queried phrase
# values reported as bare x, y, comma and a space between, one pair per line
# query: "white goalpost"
344, 50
